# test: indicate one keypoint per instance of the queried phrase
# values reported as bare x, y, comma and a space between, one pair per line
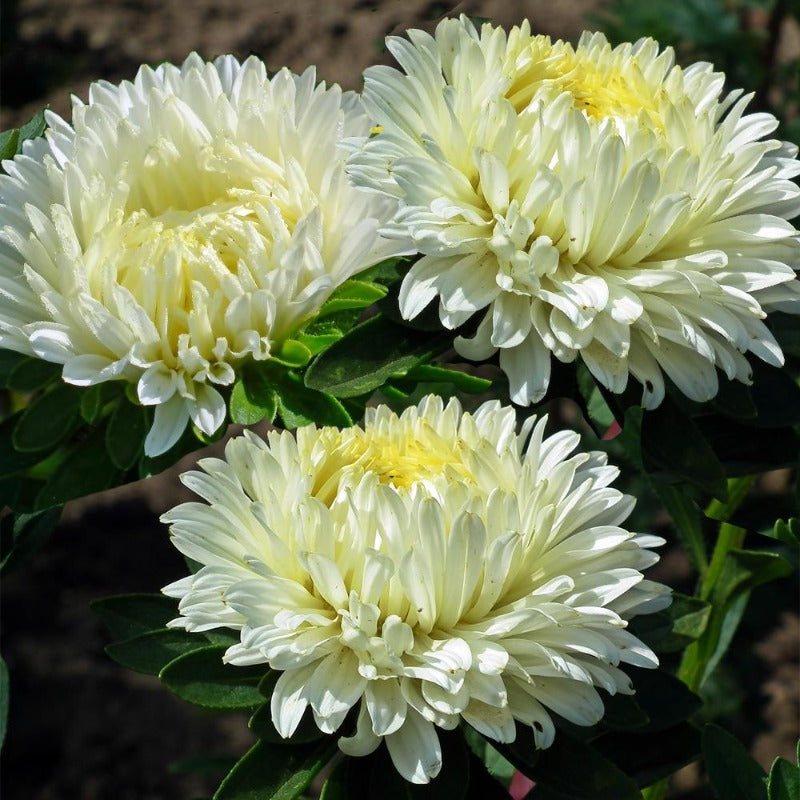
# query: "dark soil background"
81, 727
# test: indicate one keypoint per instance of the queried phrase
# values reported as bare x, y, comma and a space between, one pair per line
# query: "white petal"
415, 749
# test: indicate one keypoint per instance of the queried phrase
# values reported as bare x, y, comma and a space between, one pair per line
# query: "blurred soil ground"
82, 728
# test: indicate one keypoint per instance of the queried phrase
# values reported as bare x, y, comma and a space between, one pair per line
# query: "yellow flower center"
399, 457
601, 83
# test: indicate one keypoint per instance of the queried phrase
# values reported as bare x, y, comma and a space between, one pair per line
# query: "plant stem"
698, 654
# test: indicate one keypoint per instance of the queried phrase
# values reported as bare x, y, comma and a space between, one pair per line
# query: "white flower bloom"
185, 222
429, 568
597, 202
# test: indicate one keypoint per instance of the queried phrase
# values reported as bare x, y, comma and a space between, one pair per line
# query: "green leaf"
253, 398
95, 399
787, 531
316, 343
292, 353
464, 382
784, 780
270, 772
9, 141
623, 712
647, 756
732, 773
665, 699
731, 616
743, 570
33, 374
599, 414
687, 518
9, 360
33, 128
734, 399
50, 418
574, 770
387, 272
784, 326
776, 396
353, 294
451, 782
25, 534
201, 677
150, 652
11, 460
498, 766
672, 629
86, 469
746, 450
368, 356
125, 435
673, 448
4, 696
129, 615
299, 405
483, 783
349, 780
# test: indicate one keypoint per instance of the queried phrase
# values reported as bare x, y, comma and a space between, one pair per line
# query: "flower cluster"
183, 223
592, 201
428, 568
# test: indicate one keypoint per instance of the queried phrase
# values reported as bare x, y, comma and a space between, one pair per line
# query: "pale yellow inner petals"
600, 85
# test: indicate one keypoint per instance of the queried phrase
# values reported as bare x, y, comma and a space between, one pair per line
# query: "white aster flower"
428, 568
185, 222
597, 202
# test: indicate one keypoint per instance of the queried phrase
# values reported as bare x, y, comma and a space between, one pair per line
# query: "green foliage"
355, 293
598, 778
21, 535
202, 678
687, 521
32, 374
369, 355
292, 353
496, 764
784, 779
9, 360
252, 400
733, 774
129, 615
11, 140
648, 757
272, 772
150, 652
787, 531
98, 401
687, 457
300, 405
86, 469
677, 626
125, 434
433, 374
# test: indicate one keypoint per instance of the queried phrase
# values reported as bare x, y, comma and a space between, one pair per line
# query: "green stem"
698, 654
730, 537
